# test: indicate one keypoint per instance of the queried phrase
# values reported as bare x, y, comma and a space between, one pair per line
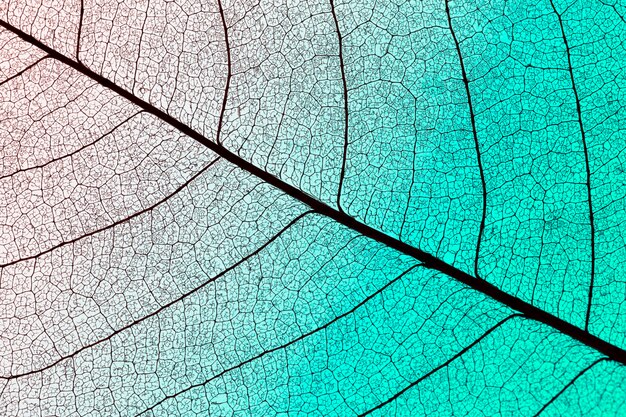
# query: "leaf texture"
322, 208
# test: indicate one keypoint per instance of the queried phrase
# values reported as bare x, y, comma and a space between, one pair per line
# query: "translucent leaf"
322, 208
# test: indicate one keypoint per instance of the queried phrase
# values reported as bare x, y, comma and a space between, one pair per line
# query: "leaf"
311, 208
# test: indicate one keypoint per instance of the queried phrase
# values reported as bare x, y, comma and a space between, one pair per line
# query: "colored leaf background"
320, 208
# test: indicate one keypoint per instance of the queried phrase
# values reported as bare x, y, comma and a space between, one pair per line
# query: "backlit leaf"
323, 208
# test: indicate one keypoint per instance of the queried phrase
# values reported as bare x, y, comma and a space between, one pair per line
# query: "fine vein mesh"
597, 392
19, 55
411, 168
513, 371
171, 54
56, 21
143, 274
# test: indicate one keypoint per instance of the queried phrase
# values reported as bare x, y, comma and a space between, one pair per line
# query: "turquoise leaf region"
312, 208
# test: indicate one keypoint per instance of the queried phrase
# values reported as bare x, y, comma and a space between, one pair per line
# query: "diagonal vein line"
71, 154
530, 311
344, 84
23, 71
291, 342
588, 170
569, 384
443, 365
481, 231
115, 223
228, 75
164, 307
80, 29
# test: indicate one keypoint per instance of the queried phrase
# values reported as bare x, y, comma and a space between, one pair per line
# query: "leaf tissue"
312, 208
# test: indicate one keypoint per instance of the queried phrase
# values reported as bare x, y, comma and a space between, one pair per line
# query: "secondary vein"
610, 350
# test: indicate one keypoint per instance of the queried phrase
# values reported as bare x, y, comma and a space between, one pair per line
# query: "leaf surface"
311, 208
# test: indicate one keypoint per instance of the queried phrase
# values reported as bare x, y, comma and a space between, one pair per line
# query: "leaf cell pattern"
321, 208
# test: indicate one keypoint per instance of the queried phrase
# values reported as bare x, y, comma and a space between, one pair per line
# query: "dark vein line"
73, 152
569, 384
143, 25
22, 72
443, 365
160, 309
280, 122
621, 17
481, 230
114, 224
285, 345
228, 76
345, 106
80, 29
586, 152
532, 312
